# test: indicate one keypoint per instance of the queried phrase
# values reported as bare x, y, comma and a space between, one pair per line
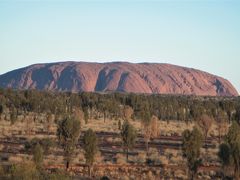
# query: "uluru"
157, 78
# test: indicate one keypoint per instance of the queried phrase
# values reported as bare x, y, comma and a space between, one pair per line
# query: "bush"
58, 175
1, 108
2, 172
13, 116
104, 178
25, 171
29, 145
38, 155
153, 157
28, 171
140, 158
45, 143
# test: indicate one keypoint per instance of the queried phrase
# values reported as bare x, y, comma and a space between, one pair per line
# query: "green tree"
128, 134
86, 115
224, 155
232, 141
146, 117
90, 147
222, 124
1, 109
237, 115
13, 115
68, 133
192, 142
38, 155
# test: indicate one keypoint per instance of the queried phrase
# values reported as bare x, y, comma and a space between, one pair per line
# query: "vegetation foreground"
48, 135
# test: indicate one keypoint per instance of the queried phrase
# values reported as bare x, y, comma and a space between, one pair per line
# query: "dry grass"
99, 125
99, 158
163, 159
121, 159
111, 125
170, 156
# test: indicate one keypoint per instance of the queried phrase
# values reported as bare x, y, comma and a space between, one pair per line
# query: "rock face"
117, 76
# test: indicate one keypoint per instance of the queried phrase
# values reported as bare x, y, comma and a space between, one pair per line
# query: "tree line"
111, 105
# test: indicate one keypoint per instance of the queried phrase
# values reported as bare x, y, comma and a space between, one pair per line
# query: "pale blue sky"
199, 34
